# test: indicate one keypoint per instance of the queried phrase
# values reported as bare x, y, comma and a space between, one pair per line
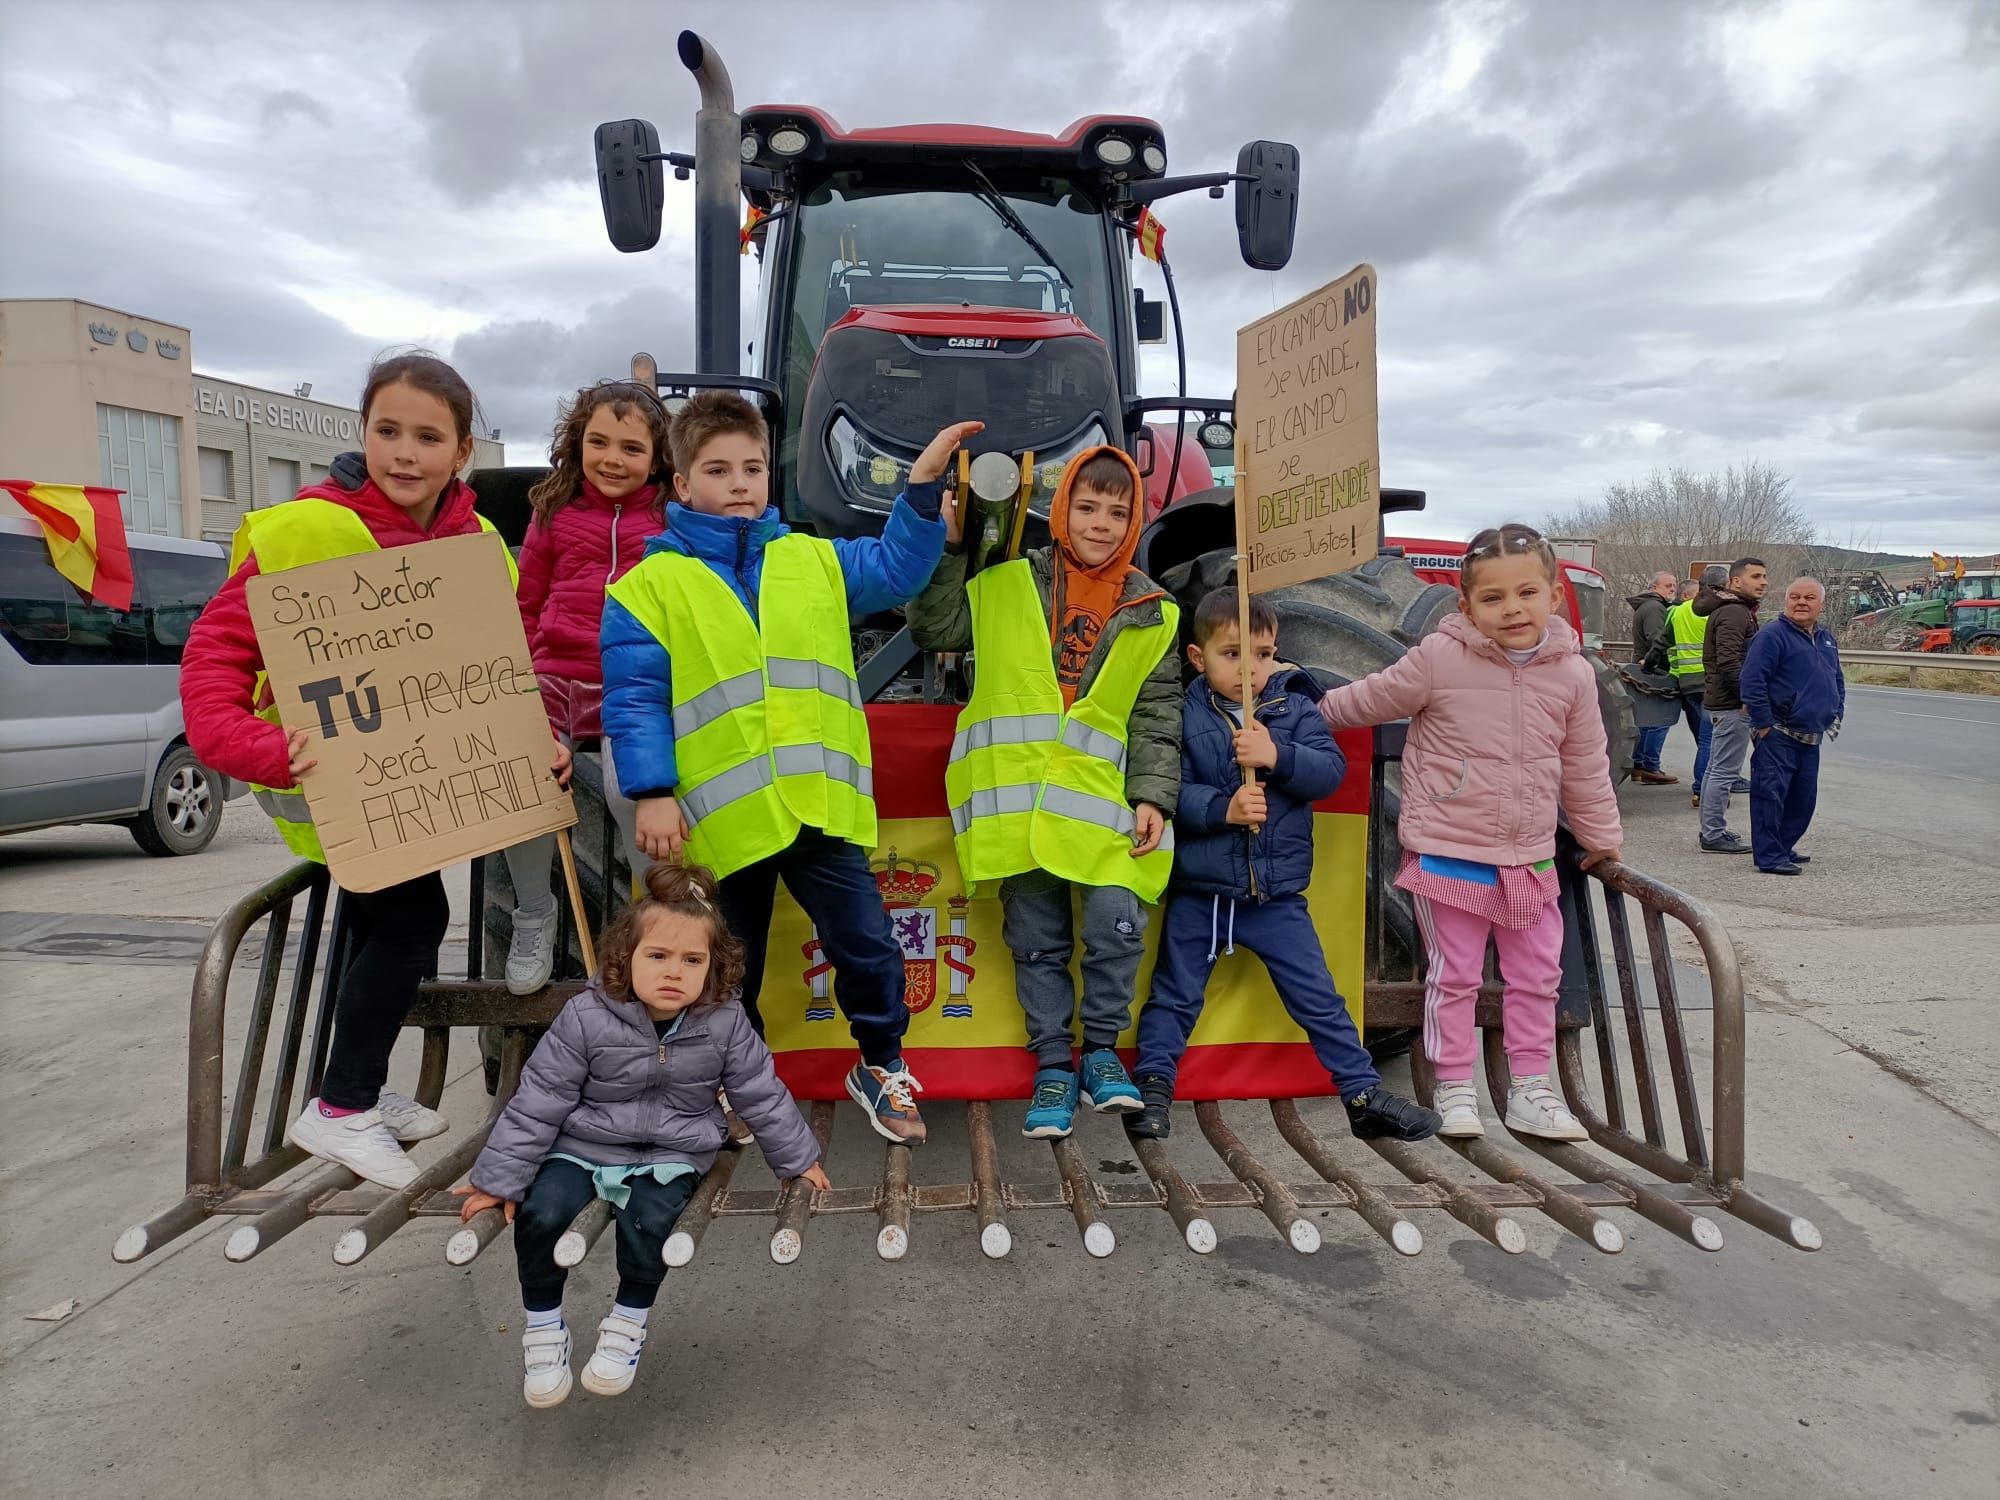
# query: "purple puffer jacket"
602, 1086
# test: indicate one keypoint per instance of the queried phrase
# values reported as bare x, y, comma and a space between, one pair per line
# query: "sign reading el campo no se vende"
409, 670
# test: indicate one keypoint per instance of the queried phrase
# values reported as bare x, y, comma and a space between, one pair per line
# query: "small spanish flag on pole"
755, 217
85, 533
1151, 234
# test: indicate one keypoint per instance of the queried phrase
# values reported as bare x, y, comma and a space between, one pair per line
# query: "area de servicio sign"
1309, 483
409, 670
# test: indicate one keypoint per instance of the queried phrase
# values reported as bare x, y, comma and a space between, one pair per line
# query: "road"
1863, 1371
1940, 734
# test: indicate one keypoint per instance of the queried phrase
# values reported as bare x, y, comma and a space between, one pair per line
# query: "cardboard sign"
410, 671
1308, 482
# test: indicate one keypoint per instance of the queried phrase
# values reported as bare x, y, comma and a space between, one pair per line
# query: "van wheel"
185, 810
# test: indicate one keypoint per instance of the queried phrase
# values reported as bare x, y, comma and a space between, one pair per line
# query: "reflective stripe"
1167, 838
290, 806
1084, 808
732, 785
1007, 729
711, 704
992, 802
799, 672
1080, 736
812, 760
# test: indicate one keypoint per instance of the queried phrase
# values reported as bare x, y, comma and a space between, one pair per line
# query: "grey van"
90, 697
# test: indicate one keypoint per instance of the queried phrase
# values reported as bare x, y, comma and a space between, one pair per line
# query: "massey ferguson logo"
904, 883
972, 343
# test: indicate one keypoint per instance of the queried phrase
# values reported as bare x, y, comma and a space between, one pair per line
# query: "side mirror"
1267, 203
1150, 317
1145, 456
631, 189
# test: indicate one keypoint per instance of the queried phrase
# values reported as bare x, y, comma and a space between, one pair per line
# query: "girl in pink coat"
593, 513
1504, 729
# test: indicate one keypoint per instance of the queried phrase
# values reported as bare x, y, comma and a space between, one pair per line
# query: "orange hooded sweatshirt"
1086, 598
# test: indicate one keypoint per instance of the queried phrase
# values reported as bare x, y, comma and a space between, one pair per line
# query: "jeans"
1647, 747
831, 881
1036, 924
1697, 723
1729, 738
558, 1194
397, 931
1784, 788
1280, 932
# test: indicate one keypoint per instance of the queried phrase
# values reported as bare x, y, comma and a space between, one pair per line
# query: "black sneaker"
1378, 1114
1729, 843
1154, 1122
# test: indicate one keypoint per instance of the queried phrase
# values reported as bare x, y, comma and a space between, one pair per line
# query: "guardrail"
1916, 661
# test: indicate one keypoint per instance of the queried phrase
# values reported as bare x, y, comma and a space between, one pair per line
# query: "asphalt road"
1941, 734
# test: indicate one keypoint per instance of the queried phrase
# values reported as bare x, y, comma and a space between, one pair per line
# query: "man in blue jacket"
1794, 694
1242, 860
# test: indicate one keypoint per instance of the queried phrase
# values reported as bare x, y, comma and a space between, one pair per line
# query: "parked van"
90, 697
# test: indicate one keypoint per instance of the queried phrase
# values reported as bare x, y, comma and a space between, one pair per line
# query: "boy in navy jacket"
1243, 858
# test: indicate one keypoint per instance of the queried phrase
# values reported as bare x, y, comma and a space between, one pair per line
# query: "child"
736, 721
1504, 728
618, 1102
1066, 757
593, 513
1242, 866
400, 490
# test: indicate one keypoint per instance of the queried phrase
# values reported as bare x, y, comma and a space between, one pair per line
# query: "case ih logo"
961, 343
903, 883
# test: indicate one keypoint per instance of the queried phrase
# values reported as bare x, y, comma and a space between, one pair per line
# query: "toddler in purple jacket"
619, 1102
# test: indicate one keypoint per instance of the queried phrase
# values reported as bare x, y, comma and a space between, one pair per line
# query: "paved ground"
1866, 1370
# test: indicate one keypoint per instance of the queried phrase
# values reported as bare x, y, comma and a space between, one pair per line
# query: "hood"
1709, 600
1559, 641
1643, 595
1115, 565
1286, 679
722, 540
347, 483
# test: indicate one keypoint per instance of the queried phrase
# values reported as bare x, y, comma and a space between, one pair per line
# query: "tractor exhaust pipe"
718, 190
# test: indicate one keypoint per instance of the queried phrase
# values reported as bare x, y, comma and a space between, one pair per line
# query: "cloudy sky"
1612, 235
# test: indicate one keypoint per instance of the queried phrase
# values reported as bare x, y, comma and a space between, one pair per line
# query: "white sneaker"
546, 1351
1458, 1103
531, 956
408, 1120
361, 1143
616, 1358
1533, 1108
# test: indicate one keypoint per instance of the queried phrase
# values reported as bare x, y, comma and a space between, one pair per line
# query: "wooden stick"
1021, 505
583, 939
1243, 597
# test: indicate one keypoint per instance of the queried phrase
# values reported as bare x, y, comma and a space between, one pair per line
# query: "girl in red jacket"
416, 414
1504, 729
593, 514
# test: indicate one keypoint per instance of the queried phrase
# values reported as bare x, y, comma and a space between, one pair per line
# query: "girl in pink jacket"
593, 513
1504, 729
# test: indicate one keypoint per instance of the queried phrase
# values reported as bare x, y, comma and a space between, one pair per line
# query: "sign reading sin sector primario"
1309, 489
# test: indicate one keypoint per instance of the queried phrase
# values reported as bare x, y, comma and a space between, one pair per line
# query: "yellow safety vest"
769, 732
1689, 630
1032, 787
292, 535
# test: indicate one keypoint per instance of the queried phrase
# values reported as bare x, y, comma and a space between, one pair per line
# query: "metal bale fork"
1655, 1155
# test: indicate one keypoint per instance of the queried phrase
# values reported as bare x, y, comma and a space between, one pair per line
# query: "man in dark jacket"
1731, 613
1242, 860
1794, 696
1649, 633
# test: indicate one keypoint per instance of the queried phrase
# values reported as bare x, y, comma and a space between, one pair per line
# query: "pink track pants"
1531, 966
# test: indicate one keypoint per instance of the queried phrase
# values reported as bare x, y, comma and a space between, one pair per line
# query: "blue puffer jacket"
1213, 857
880, 572
1791, 676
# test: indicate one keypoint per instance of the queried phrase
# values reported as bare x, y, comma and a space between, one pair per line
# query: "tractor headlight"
1154, 158
1114, 152
1050, 463
748, 147
996, 477
871, 474
789, 140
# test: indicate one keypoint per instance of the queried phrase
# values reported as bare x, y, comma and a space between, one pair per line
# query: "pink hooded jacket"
1493, 748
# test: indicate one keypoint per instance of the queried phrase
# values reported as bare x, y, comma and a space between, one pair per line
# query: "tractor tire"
1985, 644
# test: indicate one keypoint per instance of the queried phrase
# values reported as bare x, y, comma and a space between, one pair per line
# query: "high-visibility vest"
1030, 786
769, 732
1688, 630
293, 535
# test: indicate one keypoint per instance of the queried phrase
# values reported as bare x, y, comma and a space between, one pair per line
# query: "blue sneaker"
1108, 1086
888, 1095
1052, 1106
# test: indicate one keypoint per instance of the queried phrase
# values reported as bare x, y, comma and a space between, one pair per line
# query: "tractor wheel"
1983, 645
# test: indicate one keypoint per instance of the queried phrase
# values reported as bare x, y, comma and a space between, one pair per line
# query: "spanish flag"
86, 535
755, 217
1940, 563
1151, 234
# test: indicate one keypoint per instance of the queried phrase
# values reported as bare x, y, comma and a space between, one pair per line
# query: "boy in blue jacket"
736, 722
1243, 859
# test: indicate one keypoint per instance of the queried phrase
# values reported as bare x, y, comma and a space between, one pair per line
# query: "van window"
51, 624
173, 587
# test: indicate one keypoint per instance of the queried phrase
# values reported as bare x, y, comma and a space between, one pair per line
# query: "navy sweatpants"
1784, 788
1194, 929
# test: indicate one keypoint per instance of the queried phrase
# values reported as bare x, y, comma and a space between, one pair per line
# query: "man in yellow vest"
736, 723
1678, 650
1066, 760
